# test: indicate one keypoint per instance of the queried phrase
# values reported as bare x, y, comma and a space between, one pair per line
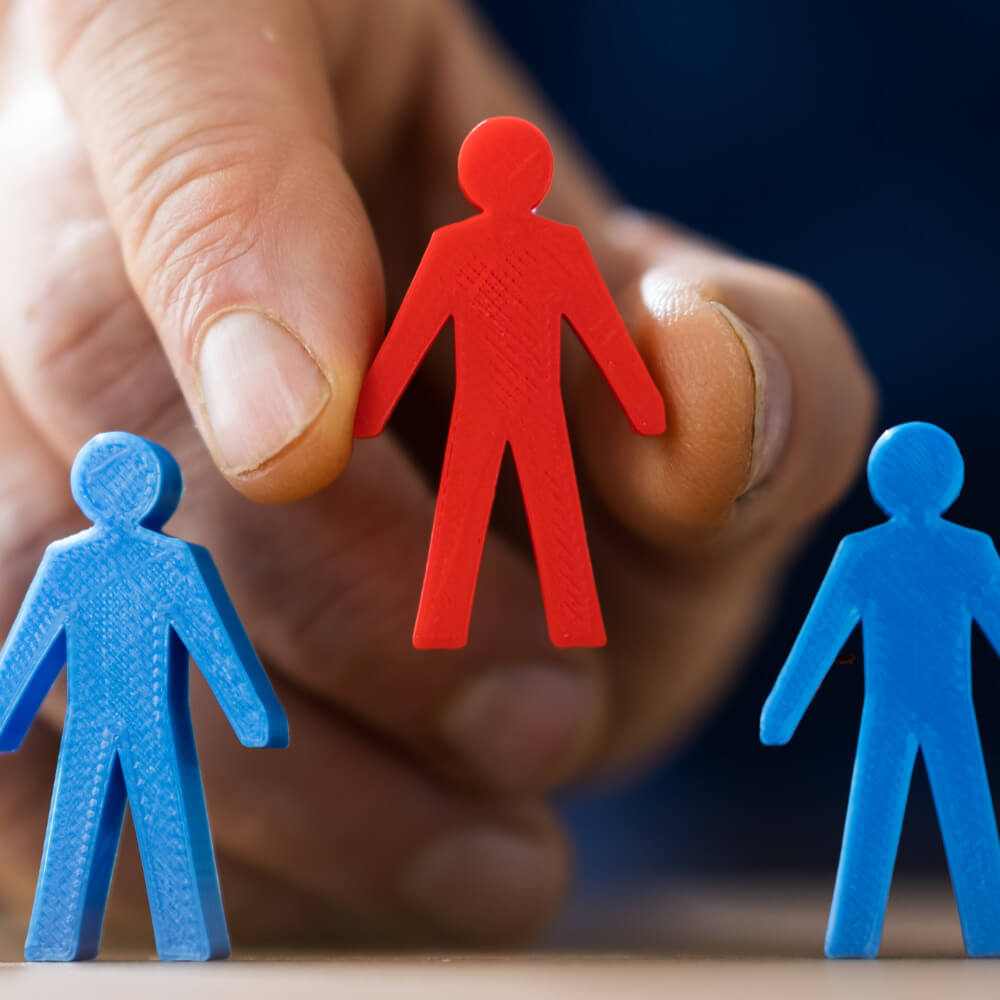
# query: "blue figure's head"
915, 471
124, 480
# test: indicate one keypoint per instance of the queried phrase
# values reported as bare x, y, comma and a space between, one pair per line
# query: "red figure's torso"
508, 293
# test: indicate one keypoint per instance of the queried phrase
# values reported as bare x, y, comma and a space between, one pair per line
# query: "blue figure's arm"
831, 619
32, 656
207, 624
986, 602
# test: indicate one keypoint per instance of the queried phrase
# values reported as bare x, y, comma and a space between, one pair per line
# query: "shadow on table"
732, 920
756, 920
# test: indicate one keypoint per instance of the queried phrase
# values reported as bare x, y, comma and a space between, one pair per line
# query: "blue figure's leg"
879, 789
85, 820
171, 825
968, 827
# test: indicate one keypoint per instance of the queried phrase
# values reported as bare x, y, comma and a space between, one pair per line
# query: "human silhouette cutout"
122, 604
508, 278
916, 584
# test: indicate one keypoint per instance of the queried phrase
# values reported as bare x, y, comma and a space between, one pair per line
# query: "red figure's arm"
424, 310
595, 320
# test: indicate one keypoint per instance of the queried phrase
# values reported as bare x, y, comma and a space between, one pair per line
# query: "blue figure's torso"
918, 586
122, 589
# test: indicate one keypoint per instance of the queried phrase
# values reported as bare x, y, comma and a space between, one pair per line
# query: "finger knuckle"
65, 22
29, 519
191, 212
846, 386
804, 298
88, 356
817, 313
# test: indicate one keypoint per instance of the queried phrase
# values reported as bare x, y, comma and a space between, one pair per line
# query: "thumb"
213, 142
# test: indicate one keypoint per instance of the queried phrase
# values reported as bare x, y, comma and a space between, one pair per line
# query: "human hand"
201, 200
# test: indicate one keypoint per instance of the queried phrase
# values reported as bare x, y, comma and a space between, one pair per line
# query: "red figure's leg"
548, 482
468, 485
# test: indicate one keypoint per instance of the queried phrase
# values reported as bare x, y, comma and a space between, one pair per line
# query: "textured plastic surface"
122, 604
916, 584
508, 277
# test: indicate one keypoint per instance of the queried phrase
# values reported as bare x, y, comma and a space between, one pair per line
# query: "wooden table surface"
740, 941
509, 978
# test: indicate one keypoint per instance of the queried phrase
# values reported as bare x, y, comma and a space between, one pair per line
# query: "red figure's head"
505, 164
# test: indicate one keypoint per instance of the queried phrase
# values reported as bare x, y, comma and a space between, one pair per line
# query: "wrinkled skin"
168, 160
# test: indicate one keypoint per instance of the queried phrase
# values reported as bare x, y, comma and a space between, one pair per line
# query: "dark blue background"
854, 142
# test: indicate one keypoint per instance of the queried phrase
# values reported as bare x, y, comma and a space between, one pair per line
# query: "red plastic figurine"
508, 277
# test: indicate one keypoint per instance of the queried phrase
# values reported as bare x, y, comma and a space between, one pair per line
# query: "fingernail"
486, 884
772, 397
524, 725
259, 386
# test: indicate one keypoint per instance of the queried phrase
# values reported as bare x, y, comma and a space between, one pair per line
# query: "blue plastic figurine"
123, 604
916, 584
